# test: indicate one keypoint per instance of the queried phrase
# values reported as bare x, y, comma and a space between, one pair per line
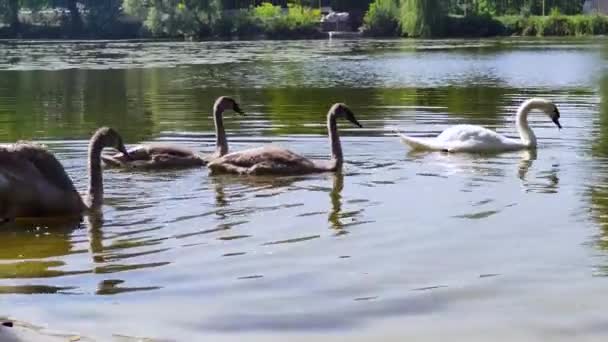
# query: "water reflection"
34, 250
37, 240
598, 190
526, 162
335, 213
37, 250
546, 181
396, 236
147, 103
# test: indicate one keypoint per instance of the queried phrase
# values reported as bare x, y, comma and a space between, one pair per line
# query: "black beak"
238, 109
350, 116
556, 122
124, 151
355, 122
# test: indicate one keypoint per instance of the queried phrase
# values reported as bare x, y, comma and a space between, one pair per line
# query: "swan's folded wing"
169, 150
265, 154
155, 156
42, 160
422, 143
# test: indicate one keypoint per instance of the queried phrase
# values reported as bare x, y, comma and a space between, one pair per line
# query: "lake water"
425, 246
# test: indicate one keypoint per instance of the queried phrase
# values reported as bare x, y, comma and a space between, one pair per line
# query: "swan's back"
265, 154
264, 160
464, 138
471, 138
155, 156
466, 133
49, 168
33, 182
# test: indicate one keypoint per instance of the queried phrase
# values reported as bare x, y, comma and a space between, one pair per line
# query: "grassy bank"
270, 22
555, 25
386, 20
552, 25
263, 21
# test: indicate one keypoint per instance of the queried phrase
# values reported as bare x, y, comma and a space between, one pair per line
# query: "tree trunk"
75, 19
13, 8
544, 3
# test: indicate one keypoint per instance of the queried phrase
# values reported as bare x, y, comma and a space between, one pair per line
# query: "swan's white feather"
464, 138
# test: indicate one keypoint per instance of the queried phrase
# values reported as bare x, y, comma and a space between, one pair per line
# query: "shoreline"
335, 35
25, 332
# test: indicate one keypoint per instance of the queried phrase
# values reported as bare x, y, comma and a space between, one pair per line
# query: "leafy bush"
423, 18
242, 25
382, 18
599, 24
474, 26
267, 11
555, 25
136, 8
297, 21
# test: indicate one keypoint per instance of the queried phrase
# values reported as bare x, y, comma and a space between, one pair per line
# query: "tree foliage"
382, 18
98, 18
422, 18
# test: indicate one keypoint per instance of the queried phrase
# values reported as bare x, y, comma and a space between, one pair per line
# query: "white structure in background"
594, 6
464, 7
326, 9
336, 21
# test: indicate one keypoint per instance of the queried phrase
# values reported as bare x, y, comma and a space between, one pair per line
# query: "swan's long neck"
94, 199
525, 132
221, 143
334, 140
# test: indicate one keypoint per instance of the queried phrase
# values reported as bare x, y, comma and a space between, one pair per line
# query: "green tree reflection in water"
35, 251
71, 104
599, 190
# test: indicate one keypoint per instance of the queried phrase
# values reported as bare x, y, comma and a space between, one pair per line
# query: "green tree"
101, 15
382, 18
9, 13
503, 7
177, 17
422, 18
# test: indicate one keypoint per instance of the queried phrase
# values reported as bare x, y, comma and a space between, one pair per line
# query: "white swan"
471, 138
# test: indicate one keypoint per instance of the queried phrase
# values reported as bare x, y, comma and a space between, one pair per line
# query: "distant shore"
23, 332
456, 27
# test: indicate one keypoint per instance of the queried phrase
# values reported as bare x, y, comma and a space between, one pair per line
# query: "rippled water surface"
401, 245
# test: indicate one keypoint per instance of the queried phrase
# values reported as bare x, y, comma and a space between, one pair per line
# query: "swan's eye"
556, 113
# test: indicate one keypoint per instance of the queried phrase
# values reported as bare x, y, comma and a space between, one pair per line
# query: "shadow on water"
39, 247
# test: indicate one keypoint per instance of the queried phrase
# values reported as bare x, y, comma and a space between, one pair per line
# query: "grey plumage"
276, 160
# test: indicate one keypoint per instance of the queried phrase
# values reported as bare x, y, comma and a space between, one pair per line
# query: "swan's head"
340, 110
224, 103
554, 115
108, 137
547, 107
